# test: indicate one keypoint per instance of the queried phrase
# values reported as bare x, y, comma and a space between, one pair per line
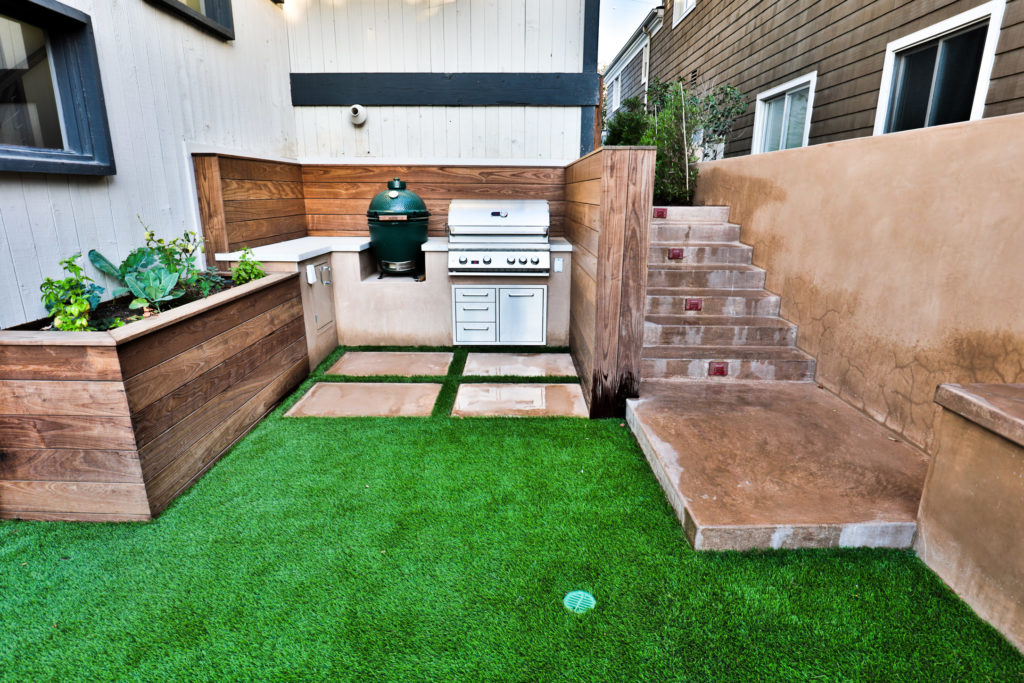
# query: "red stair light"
660, 212
718, 369
675, 253
693, 304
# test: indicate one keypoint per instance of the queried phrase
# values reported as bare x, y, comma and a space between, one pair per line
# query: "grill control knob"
463, 260
535, 260
487, 260
522, 259
511, 260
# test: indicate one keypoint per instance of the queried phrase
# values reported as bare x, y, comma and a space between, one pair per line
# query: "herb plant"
71, 299
248, 269
153, 287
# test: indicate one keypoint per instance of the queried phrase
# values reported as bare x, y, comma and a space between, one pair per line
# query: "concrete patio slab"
520, 400
785, 465
520, 364
370, 399
399, 363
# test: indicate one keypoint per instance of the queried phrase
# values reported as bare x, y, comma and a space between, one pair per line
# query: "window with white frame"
616, 94
940, 74
645, 65
680, 8
782, 115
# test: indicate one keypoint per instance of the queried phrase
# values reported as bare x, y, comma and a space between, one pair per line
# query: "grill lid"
498, 217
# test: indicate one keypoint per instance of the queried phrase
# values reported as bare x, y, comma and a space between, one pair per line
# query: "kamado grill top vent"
499, 237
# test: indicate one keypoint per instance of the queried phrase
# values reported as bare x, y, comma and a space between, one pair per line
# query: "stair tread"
706, 293
679, 352
670, 319
706, 267
702, 243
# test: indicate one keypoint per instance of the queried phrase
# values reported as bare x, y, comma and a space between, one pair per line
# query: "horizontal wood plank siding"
337, 197
608, 211
73, 448
758, 45
248, 202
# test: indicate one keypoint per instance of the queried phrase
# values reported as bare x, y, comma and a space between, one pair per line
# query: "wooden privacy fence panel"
337, 196
248, 202
608, 213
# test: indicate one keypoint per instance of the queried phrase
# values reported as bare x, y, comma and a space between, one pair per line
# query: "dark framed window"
52, 114
212, 16
934, 83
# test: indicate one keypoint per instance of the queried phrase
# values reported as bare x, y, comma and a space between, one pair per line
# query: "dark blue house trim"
88, 150
441, 89
591, 25
217, 21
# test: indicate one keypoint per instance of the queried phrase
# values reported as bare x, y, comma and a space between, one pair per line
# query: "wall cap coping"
996, 407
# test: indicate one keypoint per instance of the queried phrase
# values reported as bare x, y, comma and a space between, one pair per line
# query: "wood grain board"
74, 438
608, 210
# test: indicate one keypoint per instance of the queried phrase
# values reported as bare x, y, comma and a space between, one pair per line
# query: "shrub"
247, 269
628, 124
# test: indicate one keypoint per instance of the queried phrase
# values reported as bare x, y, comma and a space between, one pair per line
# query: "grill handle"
475, 294
530, 294
475, 308
475, 329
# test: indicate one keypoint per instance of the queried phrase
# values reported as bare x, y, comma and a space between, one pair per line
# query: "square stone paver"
399, 363
520, 400
520, 364
357, 399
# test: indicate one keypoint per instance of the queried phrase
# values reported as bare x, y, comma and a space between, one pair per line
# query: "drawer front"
475, 313
475, 332
475, 294
521, 315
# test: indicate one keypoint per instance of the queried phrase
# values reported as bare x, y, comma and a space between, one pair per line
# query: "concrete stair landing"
777, 465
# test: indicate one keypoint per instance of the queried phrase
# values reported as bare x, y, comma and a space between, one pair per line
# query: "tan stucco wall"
971, 521
901, 258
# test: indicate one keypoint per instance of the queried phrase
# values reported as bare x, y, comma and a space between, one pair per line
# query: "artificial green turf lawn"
440, 549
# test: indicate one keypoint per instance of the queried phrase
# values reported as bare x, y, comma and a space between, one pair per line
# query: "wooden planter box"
112, 426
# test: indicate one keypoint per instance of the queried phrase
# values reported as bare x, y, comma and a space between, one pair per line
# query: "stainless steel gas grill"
499, 237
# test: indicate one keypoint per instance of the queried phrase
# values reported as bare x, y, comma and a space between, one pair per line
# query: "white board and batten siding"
438, 36
170, 89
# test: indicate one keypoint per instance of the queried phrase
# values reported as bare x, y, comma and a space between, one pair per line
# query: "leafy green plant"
137, 261
153, 287
179, 256
71, 299
247, 269
628, 124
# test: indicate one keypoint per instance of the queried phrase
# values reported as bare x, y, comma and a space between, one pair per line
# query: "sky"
619, 18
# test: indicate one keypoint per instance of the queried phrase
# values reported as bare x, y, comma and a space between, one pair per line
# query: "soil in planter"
117, 309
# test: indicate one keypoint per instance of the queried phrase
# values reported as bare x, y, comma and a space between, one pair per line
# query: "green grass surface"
440, 549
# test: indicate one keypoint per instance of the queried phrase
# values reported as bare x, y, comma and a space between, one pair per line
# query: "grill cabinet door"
521, 315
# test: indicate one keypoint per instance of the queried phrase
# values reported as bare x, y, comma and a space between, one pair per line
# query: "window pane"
913, 86
197, 5
773, 124
957, 76
796, 120
28, 104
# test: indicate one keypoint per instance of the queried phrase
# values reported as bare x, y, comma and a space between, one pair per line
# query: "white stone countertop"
294, 251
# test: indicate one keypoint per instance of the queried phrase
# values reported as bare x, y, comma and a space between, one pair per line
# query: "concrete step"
758, 363
672, 300
694, 214
718, 331
776, 465
682, 254
666, 231
707, 277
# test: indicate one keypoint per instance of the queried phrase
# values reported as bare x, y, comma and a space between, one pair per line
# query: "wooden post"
211, 204
609, 199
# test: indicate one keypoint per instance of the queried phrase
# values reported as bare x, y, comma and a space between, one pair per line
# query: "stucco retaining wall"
899, 256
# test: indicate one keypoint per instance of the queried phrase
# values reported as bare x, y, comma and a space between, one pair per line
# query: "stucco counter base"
784, 466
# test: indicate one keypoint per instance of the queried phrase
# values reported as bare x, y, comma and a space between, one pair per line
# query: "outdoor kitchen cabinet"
501, 314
